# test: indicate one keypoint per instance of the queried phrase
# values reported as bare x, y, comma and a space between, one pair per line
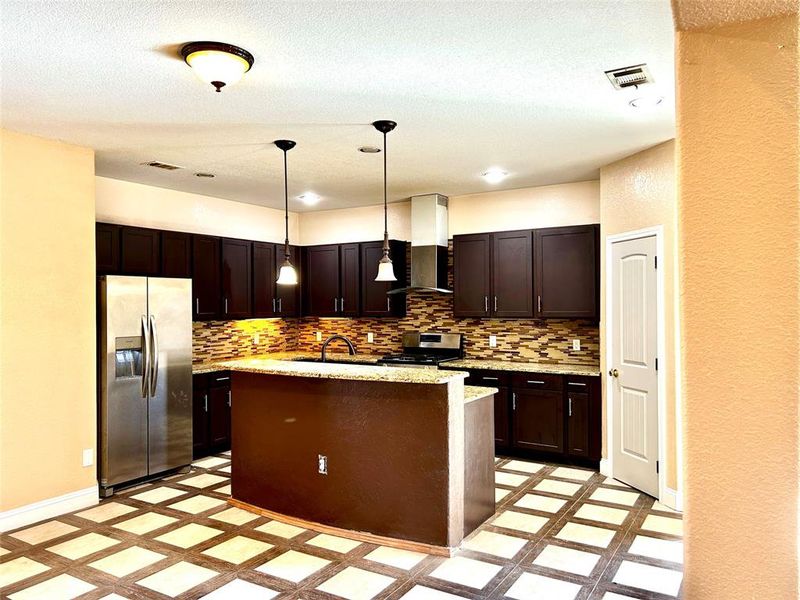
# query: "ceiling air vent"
629, 76
161, 165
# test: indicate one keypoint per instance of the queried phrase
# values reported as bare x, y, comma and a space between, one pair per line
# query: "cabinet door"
471, 275
288, 296
265, 303
321, 279
375, 302
206, 277
219, 419
538, 420
237, 269
106, 241
141, 251
502, 425
567, 272
512, 274
578, 424
199, 422
176, 254
350, 274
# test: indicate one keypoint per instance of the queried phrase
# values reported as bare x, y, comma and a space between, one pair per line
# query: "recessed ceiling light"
646, 101
309, 198
206, 175
217, 63
369, 149
494, 175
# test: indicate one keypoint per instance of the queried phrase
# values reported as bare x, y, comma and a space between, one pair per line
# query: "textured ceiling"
518, 85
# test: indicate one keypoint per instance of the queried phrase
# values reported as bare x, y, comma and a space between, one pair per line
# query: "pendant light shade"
287, 274
385, 267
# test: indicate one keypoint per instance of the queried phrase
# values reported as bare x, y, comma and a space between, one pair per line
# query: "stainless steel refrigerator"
145, 377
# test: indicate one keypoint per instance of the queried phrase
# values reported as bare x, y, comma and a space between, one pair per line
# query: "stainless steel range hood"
428, 245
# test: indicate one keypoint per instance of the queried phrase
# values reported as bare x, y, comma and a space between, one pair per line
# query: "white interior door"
633, 385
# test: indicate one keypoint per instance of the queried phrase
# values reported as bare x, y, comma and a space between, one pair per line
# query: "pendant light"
287, 274
385, 268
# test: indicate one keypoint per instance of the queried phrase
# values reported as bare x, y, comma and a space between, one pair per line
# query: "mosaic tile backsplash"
539, 340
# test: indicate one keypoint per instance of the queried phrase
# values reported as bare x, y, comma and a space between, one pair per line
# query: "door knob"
614, 373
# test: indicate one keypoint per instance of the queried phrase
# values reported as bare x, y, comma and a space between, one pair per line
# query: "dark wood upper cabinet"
176, 254
141, 251
375, 302
538, 420
321, 279
106, 240
206, 277
471, 275
265, 303
350, 278
236, 279
288, 297
567, 272
512, 274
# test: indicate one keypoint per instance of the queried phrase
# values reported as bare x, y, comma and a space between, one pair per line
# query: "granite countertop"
216, 365
476, 392
284, 366
523, 366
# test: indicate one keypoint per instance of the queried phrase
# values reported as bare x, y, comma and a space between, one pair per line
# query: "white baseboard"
47, 509
672, 498
605, 467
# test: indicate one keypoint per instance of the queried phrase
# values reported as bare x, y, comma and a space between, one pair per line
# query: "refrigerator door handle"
154, 356
145, 357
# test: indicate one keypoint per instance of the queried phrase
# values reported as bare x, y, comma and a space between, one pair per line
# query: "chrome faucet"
350, 348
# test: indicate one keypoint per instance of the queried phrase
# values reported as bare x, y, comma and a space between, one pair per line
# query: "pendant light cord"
385, 205
286, 203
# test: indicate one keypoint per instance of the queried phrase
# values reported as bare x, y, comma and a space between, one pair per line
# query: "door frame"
608, 314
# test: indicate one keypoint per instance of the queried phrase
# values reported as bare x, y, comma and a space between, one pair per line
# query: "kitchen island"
396, 456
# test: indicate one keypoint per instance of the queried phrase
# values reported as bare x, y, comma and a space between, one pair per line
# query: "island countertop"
523, 366
331, 370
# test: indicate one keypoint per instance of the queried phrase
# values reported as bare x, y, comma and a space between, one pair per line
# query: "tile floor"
559, 534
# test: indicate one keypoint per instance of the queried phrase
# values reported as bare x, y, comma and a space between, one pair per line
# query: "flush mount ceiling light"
309, 198
494, 175
288, 274
385, 268
217, 63
369, 149
646, 101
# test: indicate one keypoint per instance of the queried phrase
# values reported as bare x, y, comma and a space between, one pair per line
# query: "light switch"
88, 457
319, 336
576, 345
370, 337
492, 341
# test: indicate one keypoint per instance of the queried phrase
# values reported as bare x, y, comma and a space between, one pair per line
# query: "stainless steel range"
426, 350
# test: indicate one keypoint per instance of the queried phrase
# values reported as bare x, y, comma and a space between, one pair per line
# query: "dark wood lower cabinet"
211, 413
502, 424
538, 420
578, 424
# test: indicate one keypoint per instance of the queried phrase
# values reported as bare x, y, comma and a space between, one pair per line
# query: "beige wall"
635, 193
129, 203
526, 208
739, 227
47, 318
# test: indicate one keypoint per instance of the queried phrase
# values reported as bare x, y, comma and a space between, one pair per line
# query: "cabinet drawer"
219, 379
537, 381
489, 378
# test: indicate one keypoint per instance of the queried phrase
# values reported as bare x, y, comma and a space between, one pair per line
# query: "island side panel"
386, 446
479, 503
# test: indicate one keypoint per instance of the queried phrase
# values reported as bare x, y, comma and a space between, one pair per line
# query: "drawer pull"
578, 384
221, 378
535, 382
490, 378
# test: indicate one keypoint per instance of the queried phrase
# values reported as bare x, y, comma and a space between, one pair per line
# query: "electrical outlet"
88, 457
492, 341
256, 339
319, 336
370, 337
322, 463
576, 345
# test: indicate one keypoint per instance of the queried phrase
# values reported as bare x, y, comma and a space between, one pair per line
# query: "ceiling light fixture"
646, 101
217, 63
385, 268
309, 198
287, 274
494, 175
369, 149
